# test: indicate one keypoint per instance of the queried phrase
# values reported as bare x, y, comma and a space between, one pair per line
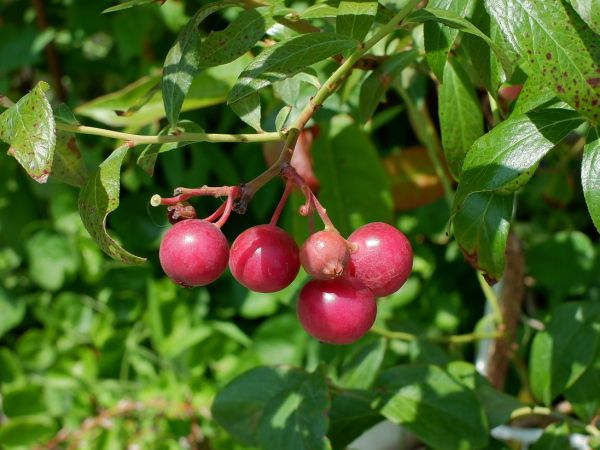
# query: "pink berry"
324, 255
264, 259
382, 259
194, 253
336, 311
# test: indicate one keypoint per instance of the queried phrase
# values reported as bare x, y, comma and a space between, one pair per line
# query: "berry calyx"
264, 259
383, 258
193, 253
324, 255
338, 311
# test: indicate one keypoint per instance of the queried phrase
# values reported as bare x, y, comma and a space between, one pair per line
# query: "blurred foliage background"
115, 355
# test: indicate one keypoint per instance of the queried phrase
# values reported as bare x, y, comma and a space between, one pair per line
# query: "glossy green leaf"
341, 159
533, 96
248, 109
442, 412
351, 414
127, 5
183, 61
275, 407
241, 35
147, 158
565, 58
481, 225
555, 437
286, 59
589, 11
99, 197
26, 431
28, 127
558, 358
361, 367
461, 119
590, 175
12, 312
505, 158
355, 17
584, 395
440, 39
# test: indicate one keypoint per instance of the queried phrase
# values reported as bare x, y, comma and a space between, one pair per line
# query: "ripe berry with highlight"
336, 311
324, 255
264, 259
194, 253
383, 258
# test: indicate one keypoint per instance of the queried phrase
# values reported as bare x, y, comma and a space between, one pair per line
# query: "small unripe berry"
264, 259
324, 255
338, 311
193, 253
383, 258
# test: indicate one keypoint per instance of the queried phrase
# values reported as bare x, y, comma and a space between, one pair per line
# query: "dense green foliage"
98, 349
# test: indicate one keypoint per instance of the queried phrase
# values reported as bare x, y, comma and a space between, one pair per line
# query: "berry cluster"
337, 306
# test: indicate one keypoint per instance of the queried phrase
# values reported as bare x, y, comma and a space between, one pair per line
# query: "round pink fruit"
336, 311
193, 253
264, 259
324, 255
383, 258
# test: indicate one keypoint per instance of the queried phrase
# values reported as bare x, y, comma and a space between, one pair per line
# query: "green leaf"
481, 225
505, 158
26, 431
555, 437
12, 312
590, 175
374, 87
340, 160
183, 61
275, 407
355, 17
53, 259
67, 165
286, 59
360, 368
533, 96
241, 35
558, 358
440, 39
584, 395
589, 11
555, 46
248, 109
350, 416
28, 127
127, 4
442, 412
461, 119
98, 198
24, 401
147, 158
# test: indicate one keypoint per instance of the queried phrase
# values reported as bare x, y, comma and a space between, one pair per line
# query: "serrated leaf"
248, 109
147, 158
565, 58
461, 118
241, 35
275, 407
340, 160
590, 175
557, 357
286, 59
128, 4
440, 39
99, 197
183, 61
505, 158
28, 127
442, 412
355, 17
589, 11
481, 225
